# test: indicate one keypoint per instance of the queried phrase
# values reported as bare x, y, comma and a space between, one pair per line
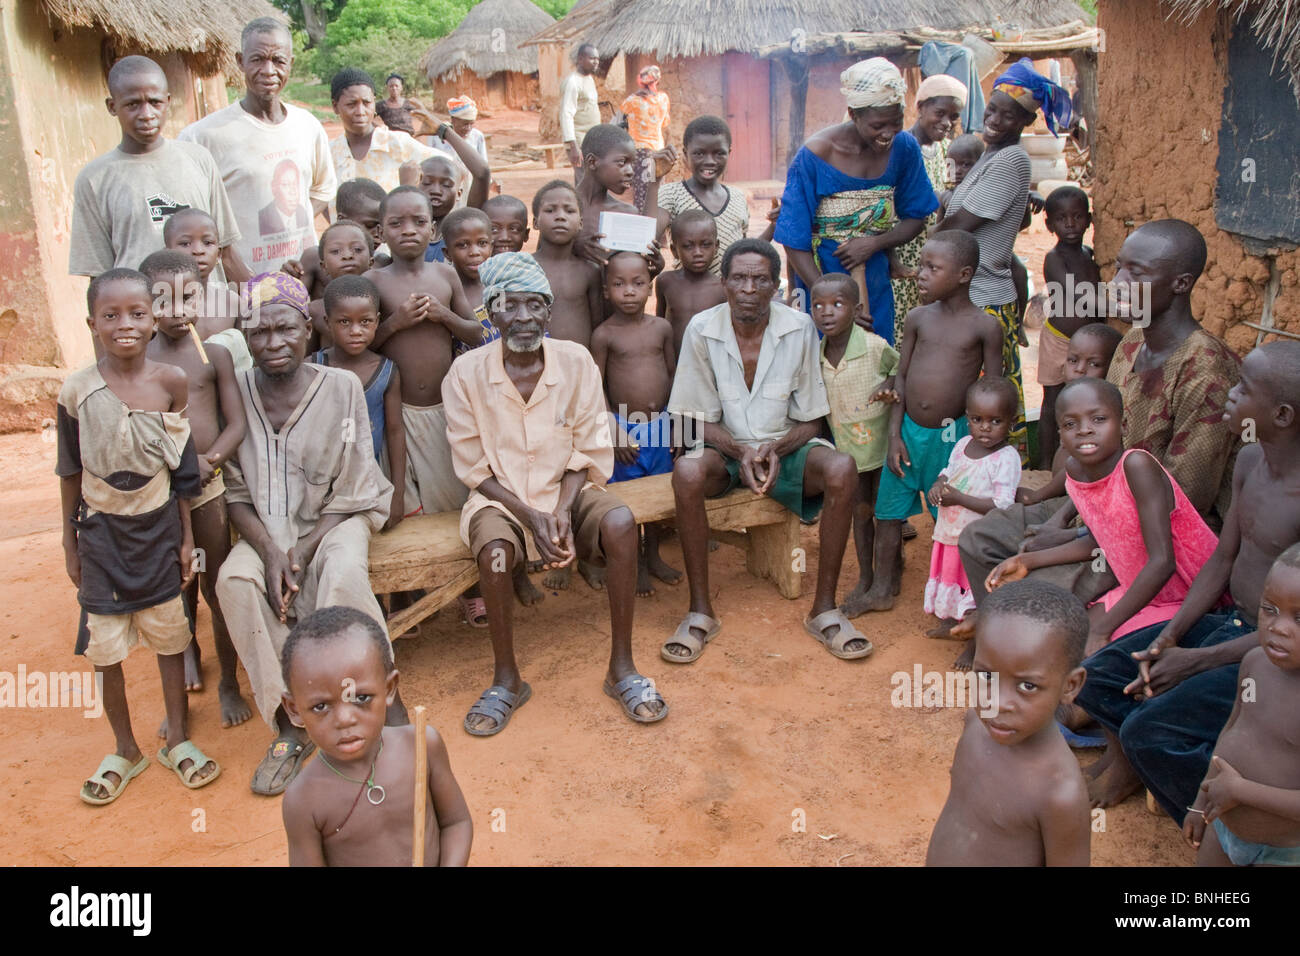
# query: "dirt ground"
766, 730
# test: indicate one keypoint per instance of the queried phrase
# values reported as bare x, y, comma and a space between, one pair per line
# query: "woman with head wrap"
856, 190
990, 203
395, 109
939, 102
646, 111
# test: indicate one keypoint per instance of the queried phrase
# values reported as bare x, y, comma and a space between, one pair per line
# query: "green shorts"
788, 488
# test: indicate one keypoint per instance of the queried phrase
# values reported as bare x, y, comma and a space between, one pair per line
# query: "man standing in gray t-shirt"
579, 104
122, 199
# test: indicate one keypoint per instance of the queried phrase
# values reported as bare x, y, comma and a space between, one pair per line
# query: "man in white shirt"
750, 392
256, 141
579, 105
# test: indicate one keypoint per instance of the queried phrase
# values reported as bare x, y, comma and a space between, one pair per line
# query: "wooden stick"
421, 785
198, 344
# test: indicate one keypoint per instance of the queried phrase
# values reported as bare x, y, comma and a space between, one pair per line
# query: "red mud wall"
1160, 87
515, 91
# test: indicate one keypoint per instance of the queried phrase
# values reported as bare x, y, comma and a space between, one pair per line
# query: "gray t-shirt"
121, 201
996, 188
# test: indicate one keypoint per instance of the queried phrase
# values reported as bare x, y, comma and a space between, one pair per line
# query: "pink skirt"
947, 593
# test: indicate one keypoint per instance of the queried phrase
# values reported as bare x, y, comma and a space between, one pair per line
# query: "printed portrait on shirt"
286, 211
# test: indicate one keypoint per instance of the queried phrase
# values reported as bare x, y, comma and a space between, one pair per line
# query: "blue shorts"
654, 441
929, 450
1242, 853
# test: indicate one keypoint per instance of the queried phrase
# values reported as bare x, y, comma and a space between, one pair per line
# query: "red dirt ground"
764, 725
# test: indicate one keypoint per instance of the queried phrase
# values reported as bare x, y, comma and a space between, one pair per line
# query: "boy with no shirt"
575, 283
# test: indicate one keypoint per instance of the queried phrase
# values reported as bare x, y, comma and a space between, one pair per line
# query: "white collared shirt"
710, 382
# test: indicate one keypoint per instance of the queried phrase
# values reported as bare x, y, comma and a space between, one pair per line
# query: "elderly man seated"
529, 434
304, 493
749, 381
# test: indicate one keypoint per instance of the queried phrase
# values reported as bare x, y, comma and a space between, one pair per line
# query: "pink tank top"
1109, 510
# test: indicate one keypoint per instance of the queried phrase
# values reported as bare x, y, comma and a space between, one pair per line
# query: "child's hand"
1220, 790
898, 456
935, 493
947, 494
774, 213
72, 561
664, 159
589, 248
206, 470
413, 311
885, 394
294, 268
1194, 825
186, 557
1012, 569
1036, 201
654, 257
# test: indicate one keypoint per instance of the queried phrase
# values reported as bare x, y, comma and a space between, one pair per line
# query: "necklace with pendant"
372, 788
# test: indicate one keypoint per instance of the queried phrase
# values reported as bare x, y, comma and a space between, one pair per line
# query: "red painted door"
746, 98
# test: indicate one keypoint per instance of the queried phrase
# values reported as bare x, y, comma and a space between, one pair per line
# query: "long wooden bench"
425, 552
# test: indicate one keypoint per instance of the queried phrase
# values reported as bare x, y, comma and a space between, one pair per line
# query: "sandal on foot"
126, 772
1082, 739
474, 611
498, 703
186, 750
847, 632
684, 637
284, 758
634, 690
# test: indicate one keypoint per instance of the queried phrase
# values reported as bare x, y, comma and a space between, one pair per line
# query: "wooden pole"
421, 786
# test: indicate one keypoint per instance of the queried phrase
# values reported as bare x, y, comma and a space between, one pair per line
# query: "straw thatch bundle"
1276, 23
686, 28
487, 41
206, 33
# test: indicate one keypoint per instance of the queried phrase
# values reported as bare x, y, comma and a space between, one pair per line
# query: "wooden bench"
551, 150
425, 552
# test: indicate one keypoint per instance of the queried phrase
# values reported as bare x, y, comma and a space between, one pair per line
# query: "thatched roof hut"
205, 34
483, 57
1198, 121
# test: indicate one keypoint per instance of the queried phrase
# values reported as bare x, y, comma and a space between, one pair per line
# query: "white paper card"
625, 232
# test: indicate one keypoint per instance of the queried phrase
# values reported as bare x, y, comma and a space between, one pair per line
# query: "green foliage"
363, 20
1090, 7
293, 10
378, 53
556, 8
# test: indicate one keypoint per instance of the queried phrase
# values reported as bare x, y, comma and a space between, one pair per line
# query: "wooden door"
746, 98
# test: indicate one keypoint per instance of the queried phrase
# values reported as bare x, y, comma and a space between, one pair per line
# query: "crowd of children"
395, 298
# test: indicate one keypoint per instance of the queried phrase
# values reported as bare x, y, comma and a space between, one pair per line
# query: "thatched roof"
685, 28
206, 33
476, 44
1275, 23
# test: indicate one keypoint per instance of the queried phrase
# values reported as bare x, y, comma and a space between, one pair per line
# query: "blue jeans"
1170, 738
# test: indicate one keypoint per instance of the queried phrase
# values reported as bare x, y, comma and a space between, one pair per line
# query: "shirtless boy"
1183, 674
422, 307
353, 805
1069, 265
636, 358
193, 232
947, 342
509, 218
213, 399
691, 288
1247, 812
344, 250
575, 282
609, 164
1017, 797
467, 234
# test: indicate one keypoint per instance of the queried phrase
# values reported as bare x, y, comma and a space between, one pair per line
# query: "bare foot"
965, 659
534, 567
594, 576
964, 629
234, 709
663, 571
1099, 766
193, 667
1115, 784
876, 599
557, 579
526, 592
942, 631
643, 586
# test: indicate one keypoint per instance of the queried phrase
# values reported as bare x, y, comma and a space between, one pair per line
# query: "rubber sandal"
498, 703
1081, 741
633, 691
683, 636
186, 750
473, 611
847, 632
284, 752
126, 772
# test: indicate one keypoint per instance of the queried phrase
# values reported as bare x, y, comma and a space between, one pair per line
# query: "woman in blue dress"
856, 190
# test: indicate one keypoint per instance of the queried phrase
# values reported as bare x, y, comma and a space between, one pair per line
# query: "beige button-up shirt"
526, 446
788, 388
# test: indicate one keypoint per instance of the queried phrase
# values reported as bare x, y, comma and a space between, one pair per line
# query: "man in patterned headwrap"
304, 493
530, 438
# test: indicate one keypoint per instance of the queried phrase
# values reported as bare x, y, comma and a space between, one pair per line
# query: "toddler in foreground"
1017, 796
354, 804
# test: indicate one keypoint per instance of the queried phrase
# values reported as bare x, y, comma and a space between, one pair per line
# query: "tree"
312, 16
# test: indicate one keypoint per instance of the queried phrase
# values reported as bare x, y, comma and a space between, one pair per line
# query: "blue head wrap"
1034, 91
